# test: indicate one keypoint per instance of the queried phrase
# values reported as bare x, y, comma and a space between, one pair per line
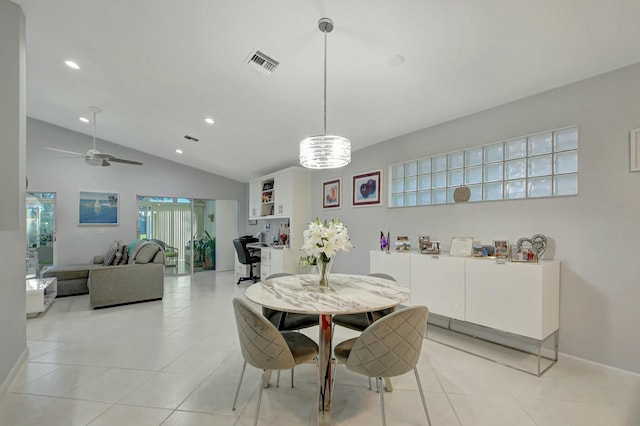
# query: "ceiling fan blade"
121, 160
66, 152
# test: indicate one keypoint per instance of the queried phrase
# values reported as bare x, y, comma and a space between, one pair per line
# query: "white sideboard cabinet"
521, 298
439, 283
398, 265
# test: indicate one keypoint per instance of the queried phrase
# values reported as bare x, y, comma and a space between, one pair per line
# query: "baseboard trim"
598, 364
22, 359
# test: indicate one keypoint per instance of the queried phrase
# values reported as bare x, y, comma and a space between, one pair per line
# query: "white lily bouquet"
323, 240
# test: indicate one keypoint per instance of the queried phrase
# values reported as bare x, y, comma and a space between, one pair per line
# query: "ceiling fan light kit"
325, 151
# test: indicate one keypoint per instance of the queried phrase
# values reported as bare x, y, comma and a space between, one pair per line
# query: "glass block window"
540, 165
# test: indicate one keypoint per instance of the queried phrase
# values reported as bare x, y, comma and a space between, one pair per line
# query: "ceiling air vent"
191, 138
262, 62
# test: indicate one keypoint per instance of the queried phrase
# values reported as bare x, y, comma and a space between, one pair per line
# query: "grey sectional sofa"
114, 284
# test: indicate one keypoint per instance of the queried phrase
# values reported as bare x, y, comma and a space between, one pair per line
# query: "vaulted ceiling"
157, 68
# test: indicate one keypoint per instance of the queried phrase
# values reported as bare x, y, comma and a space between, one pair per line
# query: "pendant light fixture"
325, 151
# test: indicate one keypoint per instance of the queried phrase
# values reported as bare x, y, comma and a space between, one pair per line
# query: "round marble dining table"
346, 294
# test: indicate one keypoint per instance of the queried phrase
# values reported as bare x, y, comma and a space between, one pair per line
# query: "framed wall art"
98, 208
461, 246
332, 193
366, 188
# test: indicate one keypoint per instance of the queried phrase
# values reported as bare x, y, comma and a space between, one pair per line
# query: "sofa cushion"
111, 254
146, 253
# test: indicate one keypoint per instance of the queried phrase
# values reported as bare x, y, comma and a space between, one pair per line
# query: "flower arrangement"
322, 240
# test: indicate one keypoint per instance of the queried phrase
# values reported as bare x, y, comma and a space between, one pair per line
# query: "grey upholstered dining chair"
387, 348
288, 321
264, 347
359, 322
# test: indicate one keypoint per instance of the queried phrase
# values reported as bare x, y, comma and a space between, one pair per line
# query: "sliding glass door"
41, 226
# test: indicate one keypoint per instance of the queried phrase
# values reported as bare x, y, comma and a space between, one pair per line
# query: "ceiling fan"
93, 157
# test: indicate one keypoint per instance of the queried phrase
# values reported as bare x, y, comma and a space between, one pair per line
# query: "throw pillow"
118, 258
146, 253
132, 246
125, 256
111, 254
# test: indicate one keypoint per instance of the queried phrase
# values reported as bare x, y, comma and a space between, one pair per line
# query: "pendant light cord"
94, 130
325, 81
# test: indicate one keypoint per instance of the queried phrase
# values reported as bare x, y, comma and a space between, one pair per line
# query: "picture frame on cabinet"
523, 254
429, 247
366, 189
484, 251
332, 194
461, 247
501, 248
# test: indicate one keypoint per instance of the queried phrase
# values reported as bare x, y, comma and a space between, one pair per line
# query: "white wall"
13, 349
226, 221
595, 234
49, 172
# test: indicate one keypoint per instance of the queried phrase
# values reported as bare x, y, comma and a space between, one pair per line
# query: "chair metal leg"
388, 385
292, 377
379, 386
278, 380
239, 383
424, 402
255, 421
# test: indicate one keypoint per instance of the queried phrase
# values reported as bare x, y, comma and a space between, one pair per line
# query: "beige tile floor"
177, 362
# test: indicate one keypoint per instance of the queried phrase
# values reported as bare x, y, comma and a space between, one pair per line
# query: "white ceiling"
158, 67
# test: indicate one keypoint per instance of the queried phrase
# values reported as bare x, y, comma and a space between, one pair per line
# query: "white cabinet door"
284, 185
514, 297
439, 283
398, 265
271, 262
255, 194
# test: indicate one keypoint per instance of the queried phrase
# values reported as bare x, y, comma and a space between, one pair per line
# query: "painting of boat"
98, 208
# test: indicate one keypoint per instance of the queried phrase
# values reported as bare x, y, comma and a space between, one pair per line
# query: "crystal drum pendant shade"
325, 151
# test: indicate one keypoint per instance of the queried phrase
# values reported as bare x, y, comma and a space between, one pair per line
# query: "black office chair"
246, 257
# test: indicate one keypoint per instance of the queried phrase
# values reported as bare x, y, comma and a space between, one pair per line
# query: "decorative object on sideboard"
480, 250
540, 244
501, 248
430, 247
461, 246
403, 243
461, 194
384, 241
524, 251
325, 151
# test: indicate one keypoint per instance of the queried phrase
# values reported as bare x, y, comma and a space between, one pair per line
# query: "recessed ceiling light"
84, 119
178, 151
209, 120
396, 60
72, 64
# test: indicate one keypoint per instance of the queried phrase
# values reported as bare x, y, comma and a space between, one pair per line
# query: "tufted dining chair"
264, 347
387, 348
288, 321
359, 322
